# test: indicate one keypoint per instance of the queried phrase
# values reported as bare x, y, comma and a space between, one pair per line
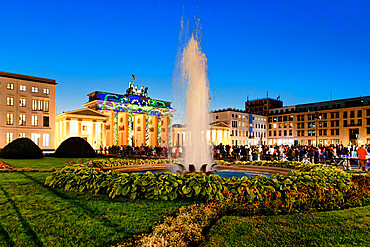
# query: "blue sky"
300, 50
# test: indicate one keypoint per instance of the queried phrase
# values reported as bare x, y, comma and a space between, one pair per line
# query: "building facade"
245, 128
85, 123
132, 119
281, 126
345, 121
262, 106
219, 132
27, 109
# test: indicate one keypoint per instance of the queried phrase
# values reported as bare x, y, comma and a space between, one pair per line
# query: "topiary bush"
21, 148
75, 147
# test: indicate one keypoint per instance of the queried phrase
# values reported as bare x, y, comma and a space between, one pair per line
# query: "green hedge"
75, 147
21, 148
320, 187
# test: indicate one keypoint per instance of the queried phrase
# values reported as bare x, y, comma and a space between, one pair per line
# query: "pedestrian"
361, 153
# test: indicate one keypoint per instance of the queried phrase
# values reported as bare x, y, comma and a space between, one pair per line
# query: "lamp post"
317, 116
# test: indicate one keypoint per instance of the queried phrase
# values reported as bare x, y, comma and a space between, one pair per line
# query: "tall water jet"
194, 74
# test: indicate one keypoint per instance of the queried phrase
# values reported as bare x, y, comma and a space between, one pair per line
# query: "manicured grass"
32, 214
44, 163
336, 228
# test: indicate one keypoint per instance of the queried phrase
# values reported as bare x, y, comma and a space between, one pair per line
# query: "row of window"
333, 115
246, 117
234, 124
23, 88
280, 132
40, 105
22, 120
334, 132
35, 137
247, 134
285, 125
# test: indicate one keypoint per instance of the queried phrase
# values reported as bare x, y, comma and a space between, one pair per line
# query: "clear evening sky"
300, 50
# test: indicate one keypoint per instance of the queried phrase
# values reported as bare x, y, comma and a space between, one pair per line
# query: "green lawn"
32, 214
44, 163
336, 228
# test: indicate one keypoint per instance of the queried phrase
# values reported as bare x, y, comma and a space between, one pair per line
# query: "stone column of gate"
129, 128
159, 132
115, 128
146, 127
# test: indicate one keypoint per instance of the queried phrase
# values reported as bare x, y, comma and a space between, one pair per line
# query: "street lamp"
317, 116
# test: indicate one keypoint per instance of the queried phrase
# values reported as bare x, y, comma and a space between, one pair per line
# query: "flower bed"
313, 187
5, 166
116, 162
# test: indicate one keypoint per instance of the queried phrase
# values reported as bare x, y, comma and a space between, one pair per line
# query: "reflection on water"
226, 173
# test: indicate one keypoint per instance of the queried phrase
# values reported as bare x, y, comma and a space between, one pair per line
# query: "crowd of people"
154, 151
320, 154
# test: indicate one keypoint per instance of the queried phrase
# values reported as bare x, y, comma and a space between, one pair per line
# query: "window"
22, 135
270, 132
22, 102
285, 118
352, 122
84, 128
35, 137
352, 114
345, 115
22, 119
332, 123
359, 122
45, 140
280, 119
9, 137
337, 132
324, 116
35, 89
34, 120
345, 123
359, 113
46, 122
41, 104
274, 132
34, 105
285, 133
10, 86
9, 101
22, 88
216, 116
367, 121
367, 112
46, 91
279, 132
9, 118
337, 114
234, 123
368, 131
46, 105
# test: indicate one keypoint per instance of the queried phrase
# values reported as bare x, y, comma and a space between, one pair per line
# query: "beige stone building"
86, 123
345, 121
281, 126
219, 132
27, 109
245, 128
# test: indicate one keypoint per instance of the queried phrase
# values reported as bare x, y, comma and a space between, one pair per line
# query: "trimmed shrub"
21, 148
74, 147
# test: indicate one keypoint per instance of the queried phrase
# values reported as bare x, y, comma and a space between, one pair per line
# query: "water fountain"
194, 73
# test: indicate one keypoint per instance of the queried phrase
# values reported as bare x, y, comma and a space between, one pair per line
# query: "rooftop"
27, 77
